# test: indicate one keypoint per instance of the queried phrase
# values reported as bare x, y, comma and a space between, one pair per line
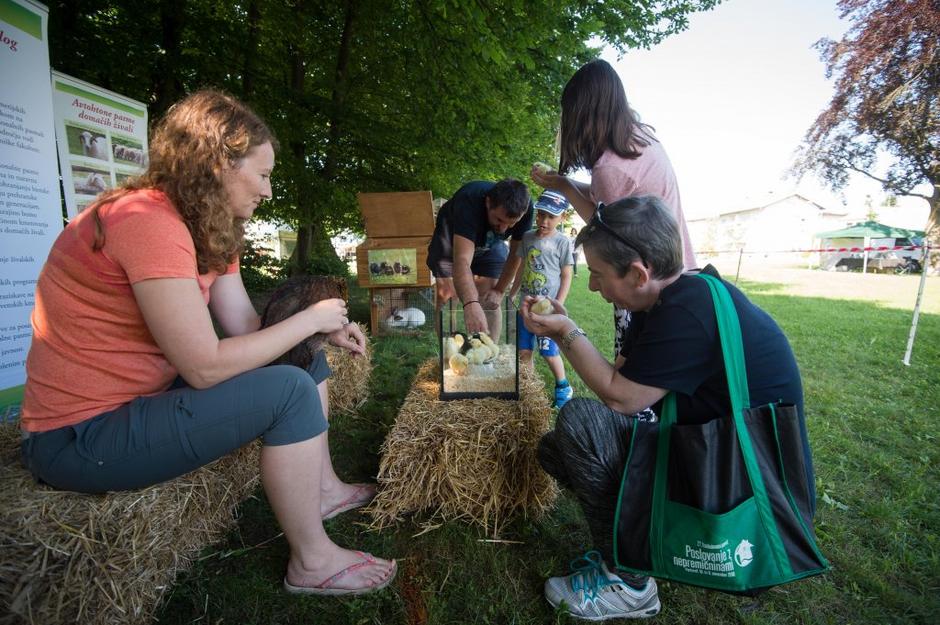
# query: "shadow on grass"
872, 424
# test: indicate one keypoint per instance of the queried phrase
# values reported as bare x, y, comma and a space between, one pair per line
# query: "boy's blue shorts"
527, 340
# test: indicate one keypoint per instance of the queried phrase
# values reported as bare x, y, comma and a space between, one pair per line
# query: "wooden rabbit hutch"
392, 261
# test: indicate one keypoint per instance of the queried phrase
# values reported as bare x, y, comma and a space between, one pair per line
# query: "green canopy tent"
860, 236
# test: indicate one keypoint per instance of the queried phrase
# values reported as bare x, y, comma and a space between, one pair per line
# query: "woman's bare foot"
340, 572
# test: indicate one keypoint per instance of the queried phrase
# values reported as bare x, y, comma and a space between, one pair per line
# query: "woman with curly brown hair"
128, 383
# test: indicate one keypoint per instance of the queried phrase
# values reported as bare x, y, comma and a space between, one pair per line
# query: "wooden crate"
398, 230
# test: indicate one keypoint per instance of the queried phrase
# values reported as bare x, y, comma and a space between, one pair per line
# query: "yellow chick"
450, 347
458, 364
489, 344
479, 353
543, 307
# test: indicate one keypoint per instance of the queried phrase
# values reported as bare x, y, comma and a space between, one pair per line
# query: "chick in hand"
543, 307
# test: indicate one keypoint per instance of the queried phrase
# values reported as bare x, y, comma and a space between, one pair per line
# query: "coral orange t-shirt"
91, 350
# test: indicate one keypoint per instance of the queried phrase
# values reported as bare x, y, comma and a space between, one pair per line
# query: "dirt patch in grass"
887, 290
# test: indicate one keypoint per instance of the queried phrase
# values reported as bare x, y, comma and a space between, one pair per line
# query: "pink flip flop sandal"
363, 495
325, 588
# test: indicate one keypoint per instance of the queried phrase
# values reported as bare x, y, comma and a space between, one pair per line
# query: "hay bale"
109, 559
471, 459
349, 384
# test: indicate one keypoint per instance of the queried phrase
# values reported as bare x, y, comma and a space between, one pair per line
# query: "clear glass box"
474, 366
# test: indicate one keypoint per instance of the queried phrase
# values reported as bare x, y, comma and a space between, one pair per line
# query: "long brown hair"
595, 116
189, 148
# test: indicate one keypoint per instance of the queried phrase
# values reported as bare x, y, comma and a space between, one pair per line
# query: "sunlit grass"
873, 425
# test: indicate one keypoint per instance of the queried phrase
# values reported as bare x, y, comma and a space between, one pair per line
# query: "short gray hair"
646, 224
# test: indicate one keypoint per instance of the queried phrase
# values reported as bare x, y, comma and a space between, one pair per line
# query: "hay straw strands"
103, 559
465, 459
108, 559
349, 384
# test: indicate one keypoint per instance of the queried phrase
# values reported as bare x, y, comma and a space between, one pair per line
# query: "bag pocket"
728, 551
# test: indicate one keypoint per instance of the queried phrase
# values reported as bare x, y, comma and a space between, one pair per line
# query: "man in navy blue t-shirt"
468, 255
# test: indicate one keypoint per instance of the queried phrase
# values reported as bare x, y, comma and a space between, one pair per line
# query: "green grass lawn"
874, 430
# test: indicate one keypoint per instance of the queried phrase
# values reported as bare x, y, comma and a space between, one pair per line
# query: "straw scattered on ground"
109, 559
472, 460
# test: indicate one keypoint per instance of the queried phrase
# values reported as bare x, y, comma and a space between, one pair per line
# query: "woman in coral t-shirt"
128, 384
601, 133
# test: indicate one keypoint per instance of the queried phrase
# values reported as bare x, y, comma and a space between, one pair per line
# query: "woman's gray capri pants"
157, 438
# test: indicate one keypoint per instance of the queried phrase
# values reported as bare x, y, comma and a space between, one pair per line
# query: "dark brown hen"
293, 296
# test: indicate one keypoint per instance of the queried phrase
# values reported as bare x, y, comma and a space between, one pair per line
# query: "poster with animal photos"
101, 138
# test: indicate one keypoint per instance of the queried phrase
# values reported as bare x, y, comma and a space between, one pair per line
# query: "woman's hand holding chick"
546, 177
551, 323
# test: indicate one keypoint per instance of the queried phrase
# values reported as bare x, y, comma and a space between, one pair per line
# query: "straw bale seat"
469, 459
108, 559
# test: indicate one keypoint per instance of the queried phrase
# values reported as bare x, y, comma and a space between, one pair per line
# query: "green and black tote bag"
725, 504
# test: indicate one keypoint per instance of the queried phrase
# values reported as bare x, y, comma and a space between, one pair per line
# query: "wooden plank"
397, 214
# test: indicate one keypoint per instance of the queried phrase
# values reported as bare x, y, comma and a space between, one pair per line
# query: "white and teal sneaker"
593, 593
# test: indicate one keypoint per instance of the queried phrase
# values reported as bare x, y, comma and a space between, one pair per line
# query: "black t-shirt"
465, 214
675, 346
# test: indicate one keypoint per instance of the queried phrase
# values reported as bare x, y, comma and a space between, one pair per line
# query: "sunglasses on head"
597, 221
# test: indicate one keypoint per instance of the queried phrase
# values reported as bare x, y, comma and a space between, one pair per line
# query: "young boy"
545, 272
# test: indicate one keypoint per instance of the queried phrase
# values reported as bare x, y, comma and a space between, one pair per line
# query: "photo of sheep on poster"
90, 181
85, 142
128, 152
393, 266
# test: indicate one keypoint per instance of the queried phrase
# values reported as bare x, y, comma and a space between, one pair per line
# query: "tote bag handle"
732, 347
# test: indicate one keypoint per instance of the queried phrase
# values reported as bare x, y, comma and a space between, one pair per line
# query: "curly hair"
189, 148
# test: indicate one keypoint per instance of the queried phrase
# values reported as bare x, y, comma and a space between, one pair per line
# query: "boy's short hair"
635, 228
512, 195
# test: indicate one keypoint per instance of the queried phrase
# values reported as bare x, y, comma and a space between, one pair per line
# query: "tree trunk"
312, 237
250, 49
168, 87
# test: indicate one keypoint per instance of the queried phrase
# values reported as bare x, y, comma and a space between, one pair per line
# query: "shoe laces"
589, 575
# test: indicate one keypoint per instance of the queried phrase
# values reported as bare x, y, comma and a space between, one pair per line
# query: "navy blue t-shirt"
675, 346
464, 214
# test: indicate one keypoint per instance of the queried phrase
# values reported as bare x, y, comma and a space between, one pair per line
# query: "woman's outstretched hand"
552, 324
547, 178
350, 338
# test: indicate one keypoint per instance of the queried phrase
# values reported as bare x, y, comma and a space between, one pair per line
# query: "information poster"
30, 207
102, 139
393, 266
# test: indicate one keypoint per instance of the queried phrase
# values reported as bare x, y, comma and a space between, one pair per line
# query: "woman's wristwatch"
569, 338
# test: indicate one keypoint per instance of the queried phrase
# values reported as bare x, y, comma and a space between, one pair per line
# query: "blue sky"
731, 98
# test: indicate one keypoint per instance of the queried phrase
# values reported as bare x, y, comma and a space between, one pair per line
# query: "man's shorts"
527, 340
489, 264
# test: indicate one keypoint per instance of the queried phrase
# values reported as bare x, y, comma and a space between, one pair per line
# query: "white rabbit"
405, 318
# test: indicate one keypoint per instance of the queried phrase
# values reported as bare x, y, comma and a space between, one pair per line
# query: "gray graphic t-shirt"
542, 261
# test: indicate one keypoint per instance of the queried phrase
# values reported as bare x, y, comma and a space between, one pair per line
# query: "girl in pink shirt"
601, 133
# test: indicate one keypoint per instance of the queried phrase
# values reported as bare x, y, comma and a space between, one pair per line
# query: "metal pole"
920, 295
738, 273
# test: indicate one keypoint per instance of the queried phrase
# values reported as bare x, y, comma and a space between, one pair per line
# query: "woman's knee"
298, 413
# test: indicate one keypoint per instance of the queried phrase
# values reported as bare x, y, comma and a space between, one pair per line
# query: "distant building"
280, 242
786, 222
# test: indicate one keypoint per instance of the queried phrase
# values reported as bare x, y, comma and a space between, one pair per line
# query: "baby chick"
543, 307
458, 364
450, 347
488, 342
479, 353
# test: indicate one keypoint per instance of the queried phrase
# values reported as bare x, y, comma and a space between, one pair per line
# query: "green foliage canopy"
364, 95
